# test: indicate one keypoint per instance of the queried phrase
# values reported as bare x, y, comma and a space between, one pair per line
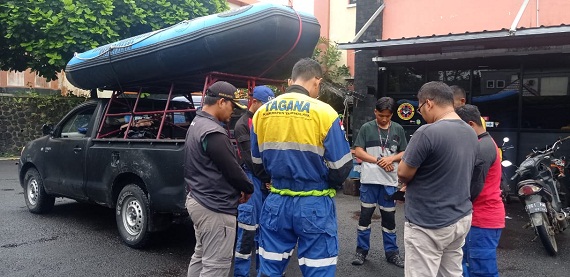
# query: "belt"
287, 192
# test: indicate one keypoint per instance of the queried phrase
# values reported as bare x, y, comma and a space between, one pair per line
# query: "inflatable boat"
261, 40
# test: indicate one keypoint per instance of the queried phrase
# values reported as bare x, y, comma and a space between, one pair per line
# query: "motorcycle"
539, 188
506, 191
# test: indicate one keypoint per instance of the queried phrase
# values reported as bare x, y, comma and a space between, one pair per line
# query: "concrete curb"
9, 158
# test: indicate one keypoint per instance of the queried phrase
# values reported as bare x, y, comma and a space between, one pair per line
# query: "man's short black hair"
438, 92
210, 100
385, 103
306, 69
458, 91
468, 113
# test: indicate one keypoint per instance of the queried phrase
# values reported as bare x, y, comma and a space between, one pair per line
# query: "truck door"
66, 153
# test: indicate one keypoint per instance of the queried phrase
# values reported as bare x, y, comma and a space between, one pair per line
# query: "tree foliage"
327, 54
44, 34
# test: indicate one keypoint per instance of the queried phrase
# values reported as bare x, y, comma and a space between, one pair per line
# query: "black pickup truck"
107, 154
125, 152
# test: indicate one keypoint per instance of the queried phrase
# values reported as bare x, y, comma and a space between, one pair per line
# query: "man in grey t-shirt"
437, 168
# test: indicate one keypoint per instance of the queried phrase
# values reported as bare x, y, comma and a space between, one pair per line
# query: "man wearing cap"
215, 181
248, 213
298, 140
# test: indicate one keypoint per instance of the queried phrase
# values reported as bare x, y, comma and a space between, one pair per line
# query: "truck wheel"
546, 234
132, 215
37, 199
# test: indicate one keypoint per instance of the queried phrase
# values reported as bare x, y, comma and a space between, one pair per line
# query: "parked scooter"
539, 187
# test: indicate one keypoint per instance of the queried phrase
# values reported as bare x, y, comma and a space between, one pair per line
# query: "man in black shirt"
215, 181
248, 213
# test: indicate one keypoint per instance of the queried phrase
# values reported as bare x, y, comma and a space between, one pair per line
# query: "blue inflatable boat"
261, 40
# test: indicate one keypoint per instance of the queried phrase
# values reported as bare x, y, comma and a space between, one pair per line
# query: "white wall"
307, 6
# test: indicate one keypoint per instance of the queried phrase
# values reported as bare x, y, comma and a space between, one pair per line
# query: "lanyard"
383, 145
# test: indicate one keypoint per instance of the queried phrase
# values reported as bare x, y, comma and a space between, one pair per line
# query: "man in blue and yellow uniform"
299, 142
248, 213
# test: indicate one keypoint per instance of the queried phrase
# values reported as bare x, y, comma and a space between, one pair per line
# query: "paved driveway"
78, 239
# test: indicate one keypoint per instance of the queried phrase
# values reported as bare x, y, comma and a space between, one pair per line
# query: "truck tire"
132, 216
37, 199
546, 234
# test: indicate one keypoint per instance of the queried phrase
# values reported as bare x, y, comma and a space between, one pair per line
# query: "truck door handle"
77, 149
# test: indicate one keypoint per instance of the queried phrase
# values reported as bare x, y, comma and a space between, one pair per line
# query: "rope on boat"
292, 47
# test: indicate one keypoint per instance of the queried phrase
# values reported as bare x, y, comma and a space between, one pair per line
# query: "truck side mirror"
47, 129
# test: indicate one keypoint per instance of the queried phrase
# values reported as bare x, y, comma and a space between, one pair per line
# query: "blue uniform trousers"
480, 252
370, 195
247, 231
310, 222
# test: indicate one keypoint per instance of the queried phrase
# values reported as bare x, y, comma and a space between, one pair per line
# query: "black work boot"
396, 260
359, 258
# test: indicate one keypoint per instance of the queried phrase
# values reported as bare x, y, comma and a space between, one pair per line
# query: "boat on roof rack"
262, 40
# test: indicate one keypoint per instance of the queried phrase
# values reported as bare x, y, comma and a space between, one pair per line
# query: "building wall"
366, 73
336, 17
14, 81
240, 3
342, 28
411, 18
21, 119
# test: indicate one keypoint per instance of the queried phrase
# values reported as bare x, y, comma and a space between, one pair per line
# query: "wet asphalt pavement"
78, 239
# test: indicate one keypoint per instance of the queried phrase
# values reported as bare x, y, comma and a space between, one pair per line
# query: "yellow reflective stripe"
288, 192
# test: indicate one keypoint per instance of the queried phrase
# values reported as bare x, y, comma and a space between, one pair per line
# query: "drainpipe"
513, 29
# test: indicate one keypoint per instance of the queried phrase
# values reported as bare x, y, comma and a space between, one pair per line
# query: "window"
554, 86
77, 125
500, 83
16, 78
352, 2
41, 82
490, 83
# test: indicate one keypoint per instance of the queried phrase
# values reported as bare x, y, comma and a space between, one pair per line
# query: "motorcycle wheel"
505, 191
546, 234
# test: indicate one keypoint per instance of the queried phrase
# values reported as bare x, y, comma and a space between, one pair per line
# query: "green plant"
328, 55
44, 34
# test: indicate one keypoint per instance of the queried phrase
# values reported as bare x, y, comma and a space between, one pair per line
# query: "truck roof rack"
242, 81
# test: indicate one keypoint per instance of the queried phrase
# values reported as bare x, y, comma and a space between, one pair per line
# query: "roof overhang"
536, 47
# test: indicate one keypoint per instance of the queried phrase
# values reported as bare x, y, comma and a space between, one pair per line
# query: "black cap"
225, 90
